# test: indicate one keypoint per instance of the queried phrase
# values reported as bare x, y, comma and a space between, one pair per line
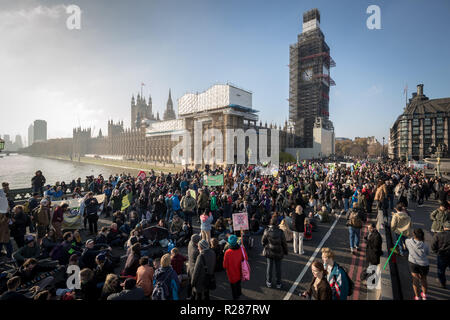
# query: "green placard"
214, 181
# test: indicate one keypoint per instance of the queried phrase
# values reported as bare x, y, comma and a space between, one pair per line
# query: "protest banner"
240, 221
213, 181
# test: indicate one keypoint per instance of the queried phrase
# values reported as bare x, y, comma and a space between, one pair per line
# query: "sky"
84, 77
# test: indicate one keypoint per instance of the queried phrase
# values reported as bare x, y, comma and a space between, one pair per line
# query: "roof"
421, 105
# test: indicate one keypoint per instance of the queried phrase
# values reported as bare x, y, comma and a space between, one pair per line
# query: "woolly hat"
232, 240
203, 244
195, 238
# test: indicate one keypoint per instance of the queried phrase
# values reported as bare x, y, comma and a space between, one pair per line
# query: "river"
18, 170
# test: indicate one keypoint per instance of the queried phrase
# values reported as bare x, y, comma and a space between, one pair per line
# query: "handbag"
210, 279
245, 267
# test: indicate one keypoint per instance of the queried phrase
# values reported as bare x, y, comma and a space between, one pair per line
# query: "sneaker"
296, 252
416, 298
423, 295
279, 286
268, 284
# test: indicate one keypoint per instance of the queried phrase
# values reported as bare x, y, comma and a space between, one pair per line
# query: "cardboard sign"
240, 221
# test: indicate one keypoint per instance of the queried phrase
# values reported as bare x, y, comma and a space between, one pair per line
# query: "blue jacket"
206, 226
338, 281
175, 203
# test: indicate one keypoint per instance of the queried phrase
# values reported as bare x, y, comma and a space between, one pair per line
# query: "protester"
232, 264
144, 276
275, 247
336, 276
439, 217
418, 263
203, 273
298, 225
319, 289
166, 284
441, 246
354, 224
401, 226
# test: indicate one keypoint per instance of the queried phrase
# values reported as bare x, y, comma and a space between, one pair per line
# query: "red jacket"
232, 264
58, 215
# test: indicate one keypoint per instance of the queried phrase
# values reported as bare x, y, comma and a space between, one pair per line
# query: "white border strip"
291, 291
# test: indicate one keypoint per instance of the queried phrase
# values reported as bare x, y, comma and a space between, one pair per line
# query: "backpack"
160, 290
351, 284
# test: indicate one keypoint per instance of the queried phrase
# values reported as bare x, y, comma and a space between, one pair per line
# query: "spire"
133, 103
157, 116
169, 114
100, 135
149, 108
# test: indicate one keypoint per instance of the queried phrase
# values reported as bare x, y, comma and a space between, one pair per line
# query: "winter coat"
298, 222
338, 281
4, 228
374, 243
381, 193
206, 223
192, 256
274, 243
20, 224
232, 263
116, 203
401, 222
42, 217
188, 204
439, 217
175, 203
441, 244
418, 252
323, 291
170, 277
26, 252
127, 295
208, 258
144, 279
203, 201
132, 264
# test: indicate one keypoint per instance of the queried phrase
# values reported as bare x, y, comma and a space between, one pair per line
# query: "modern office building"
30, 134
423, 124
39, 130
309, 81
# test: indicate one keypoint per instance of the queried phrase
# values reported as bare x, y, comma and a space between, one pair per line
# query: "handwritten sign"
240, 221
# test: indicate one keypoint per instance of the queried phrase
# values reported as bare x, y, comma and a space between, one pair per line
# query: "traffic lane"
339, 243
421, 219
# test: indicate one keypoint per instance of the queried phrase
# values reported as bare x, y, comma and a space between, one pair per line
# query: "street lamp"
382, 152
2, 145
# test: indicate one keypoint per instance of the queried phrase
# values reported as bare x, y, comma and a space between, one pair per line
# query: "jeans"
401, 243
270, 263
346, 204
169, 214
354, 237
391, 201
9, 248
188, 217
442, 264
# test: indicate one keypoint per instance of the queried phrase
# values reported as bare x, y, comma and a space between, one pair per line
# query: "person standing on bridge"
439, 217
232, 260
298, 228
275, 247
319, 288
441, 246
337, 277
401, 223
418, 262
38, 182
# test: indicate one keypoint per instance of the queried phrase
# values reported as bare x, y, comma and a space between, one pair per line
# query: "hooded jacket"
418, 252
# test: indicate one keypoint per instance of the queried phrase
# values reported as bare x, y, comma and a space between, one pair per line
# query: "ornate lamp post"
2, 145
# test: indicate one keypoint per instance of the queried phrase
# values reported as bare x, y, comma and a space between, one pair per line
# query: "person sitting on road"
30, 250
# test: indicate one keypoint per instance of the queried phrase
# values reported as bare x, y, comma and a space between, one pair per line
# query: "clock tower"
309, 81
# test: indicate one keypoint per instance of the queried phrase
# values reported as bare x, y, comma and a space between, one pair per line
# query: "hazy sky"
85, 77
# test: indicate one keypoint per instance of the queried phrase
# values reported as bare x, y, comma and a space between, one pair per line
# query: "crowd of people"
152, 218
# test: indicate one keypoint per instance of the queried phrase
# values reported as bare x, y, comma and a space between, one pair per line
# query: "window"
415, 131
415, 122
427, 130
427, 122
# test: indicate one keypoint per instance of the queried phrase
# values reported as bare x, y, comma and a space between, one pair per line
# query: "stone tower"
169, 114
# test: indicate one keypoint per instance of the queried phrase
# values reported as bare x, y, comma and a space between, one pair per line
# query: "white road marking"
300, 277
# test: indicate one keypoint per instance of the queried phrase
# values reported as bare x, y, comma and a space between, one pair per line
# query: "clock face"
307, 74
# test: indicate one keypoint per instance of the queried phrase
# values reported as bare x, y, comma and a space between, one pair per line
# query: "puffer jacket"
439, 217
274, 243
401, 222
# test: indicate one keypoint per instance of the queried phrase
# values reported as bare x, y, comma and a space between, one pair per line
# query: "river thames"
18, 170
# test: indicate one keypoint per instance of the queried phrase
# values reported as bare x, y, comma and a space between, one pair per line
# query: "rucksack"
160, 290
351, 284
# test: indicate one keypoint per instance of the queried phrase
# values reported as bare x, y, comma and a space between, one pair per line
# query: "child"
308, 230
206, 226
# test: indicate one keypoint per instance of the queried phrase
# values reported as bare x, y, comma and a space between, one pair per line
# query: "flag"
126, 201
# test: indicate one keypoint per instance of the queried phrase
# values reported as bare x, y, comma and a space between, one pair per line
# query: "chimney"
420, 89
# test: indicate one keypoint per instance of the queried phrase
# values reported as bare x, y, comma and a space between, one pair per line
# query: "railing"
22, 195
